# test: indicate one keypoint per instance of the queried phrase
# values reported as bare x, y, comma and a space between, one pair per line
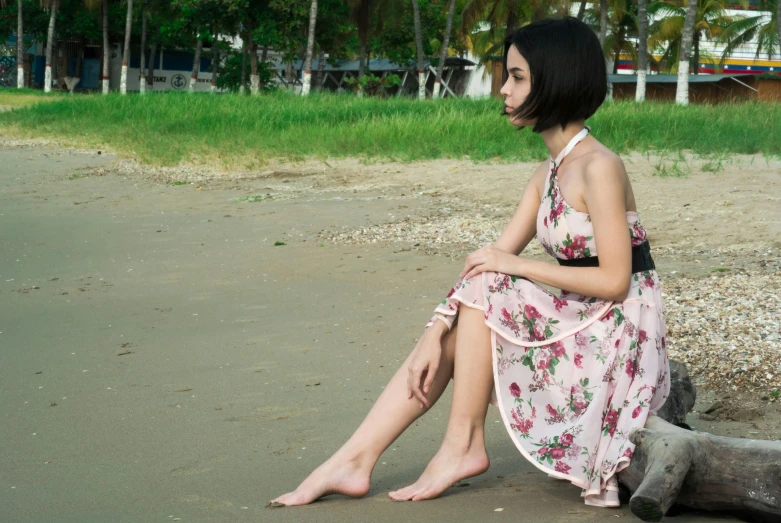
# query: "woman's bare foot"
446, 468
332, 477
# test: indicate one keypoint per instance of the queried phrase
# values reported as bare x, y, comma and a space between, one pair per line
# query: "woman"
573, 373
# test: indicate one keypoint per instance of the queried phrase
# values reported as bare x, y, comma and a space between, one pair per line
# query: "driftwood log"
674, 464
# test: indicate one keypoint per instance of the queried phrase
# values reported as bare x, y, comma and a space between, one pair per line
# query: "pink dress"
573, 375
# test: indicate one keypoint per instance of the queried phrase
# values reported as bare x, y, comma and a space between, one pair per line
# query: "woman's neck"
556, 138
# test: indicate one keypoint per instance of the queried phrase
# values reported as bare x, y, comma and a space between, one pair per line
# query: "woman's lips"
508, 109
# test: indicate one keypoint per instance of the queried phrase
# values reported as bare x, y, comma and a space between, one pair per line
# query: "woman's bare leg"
348, 471
462, 453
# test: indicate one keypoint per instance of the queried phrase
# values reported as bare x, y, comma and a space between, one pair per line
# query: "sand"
162, 360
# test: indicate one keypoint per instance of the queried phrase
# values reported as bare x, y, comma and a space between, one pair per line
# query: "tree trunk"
142, 67
361, 67
672, 464
79, 56
320, 70
419, 46
682, 91
696, 52
603, 12
443, 53
310, 46
126, 50
582, 10
106, 51
196, 64
47, 82
243, 82
215, 59
19, 46
152, 58
289, 79
254, 77
642, 50
778, 22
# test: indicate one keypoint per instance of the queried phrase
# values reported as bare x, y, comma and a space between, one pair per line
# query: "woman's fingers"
417, 376
474, 271
432, 372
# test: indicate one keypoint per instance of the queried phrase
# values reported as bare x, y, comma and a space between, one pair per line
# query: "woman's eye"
518, 78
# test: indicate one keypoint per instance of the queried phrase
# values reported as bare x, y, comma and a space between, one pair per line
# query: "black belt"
641, 260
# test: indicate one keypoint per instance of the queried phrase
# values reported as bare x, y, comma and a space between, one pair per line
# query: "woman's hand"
425, 362
491, 259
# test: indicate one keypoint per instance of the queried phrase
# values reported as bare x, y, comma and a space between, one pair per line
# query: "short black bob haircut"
568, 74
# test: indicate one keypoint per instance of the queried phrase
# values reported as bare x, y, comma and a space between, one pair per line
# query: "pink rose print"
557, 349
566, 439
557, 453
521, 425
637, 411
630, 368
579, 360
542, 451
579, 242
559, 303
628, 453
452, 292
642, 336
531, 312
610, 421
515, 390
539, 331
562, 467
508, 321
542, 360
568, 252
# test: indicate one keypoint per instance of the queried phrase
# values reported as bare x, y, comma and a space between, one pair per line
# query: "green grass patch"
15, 98
236, 131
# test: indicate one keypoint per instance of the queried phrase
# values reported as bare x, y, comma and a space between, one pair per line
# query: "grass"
15, 98
245, 132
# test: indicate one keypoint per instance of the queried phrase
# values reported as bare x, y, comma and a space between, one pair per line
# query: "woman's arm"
604, 195
523, 226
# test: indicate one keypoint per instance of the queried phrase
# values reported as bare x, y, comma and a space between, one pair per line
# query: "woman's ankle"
465, 439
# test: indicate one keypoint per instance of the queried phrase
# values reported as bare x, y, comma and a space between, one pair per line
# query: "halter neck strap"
571, 145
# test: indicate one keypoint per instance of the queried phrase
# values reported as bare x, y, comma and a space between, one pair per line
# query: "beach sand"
162, 360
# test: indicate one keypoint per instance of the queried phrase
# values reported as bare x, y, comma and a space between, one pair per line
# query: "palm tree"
443, 53
503, 17
310, 44
52, 6
603, 14
104, 75
19, 43
126, 50
196, 63
642, 48
362, 11
142, 65
778, 22
682, 91
743, 30
419, 46
215, 58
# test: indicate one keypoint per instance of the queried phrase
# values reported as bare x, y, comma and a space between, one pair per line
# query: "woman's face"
517, 87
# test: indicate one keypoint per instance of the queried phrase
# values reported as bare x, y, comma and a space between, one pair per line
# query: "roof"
673, 78
373, 65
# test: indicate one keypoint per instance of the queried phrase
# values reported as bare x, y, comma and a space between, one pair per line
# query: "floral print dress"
573, 375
